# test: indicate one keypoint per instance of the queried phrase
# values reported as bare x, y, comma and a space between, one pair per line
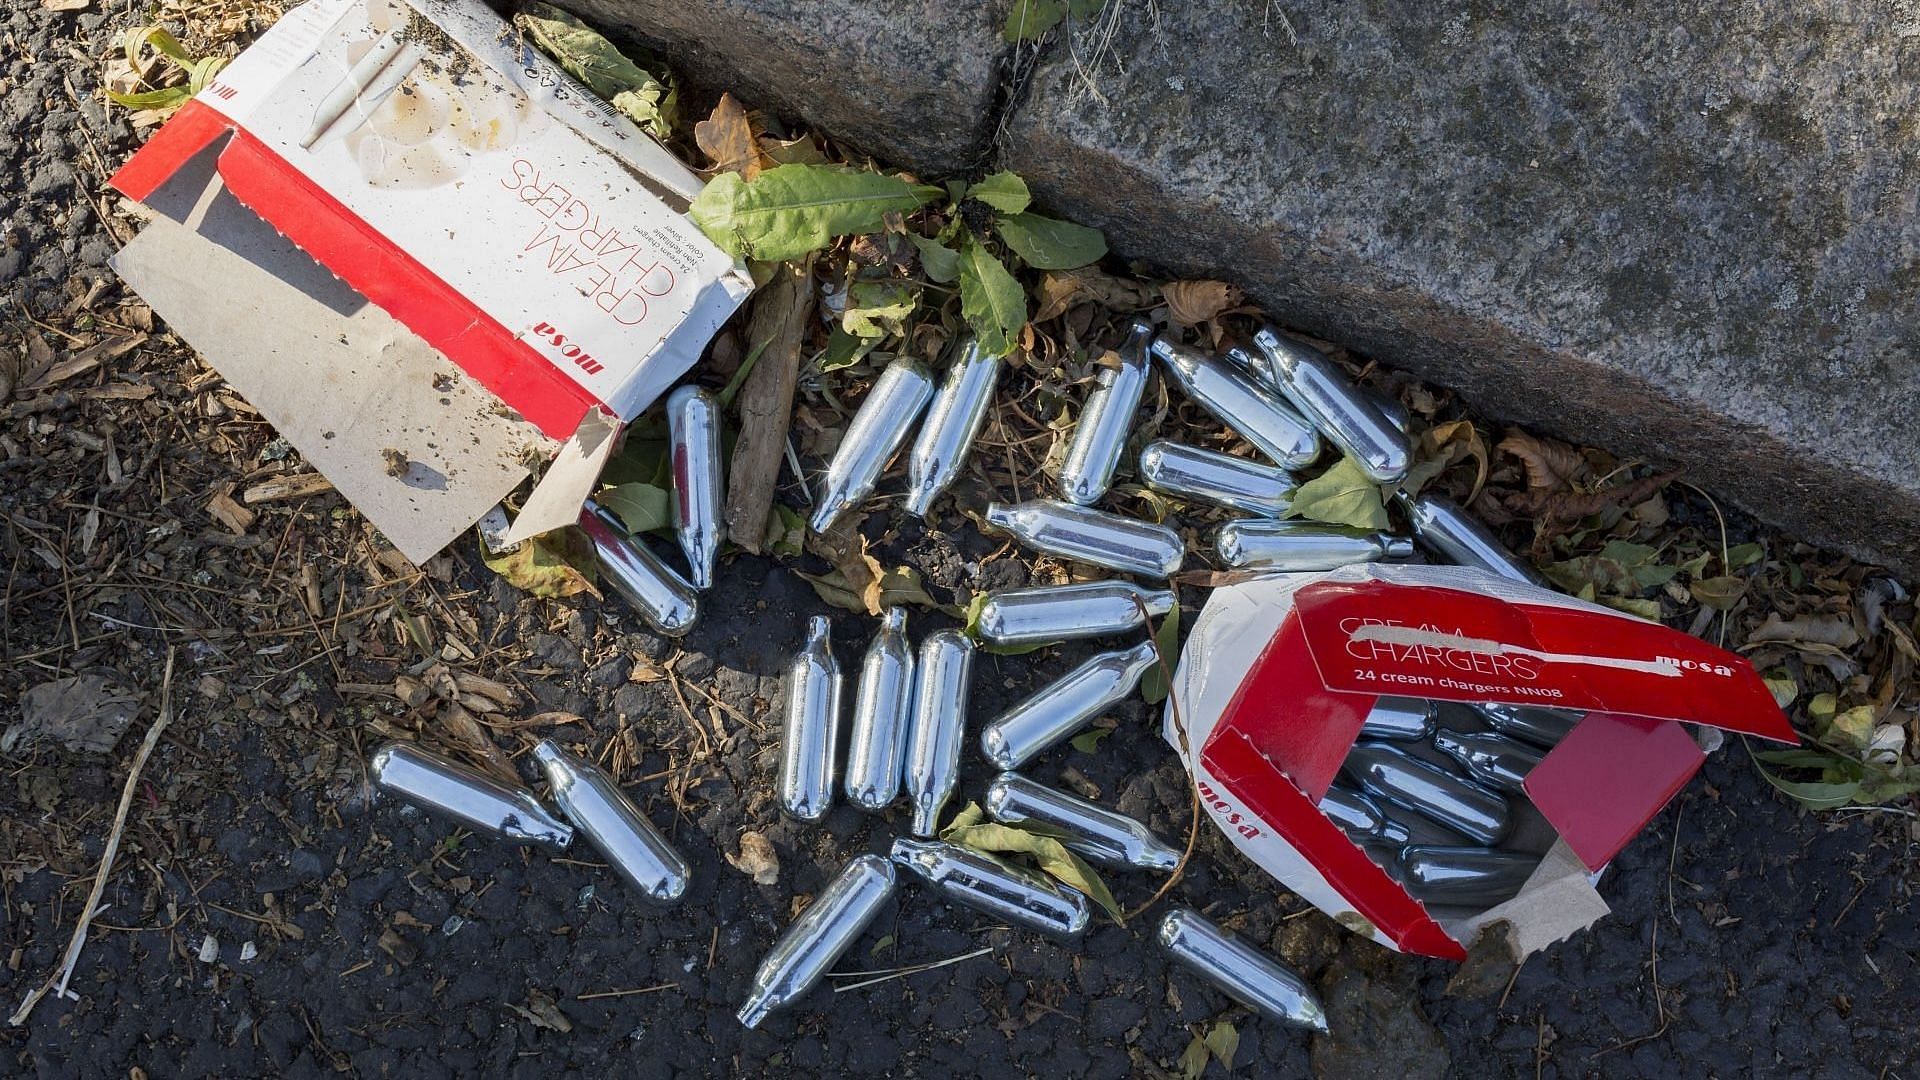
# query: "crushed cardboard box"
1281, 671
429, 257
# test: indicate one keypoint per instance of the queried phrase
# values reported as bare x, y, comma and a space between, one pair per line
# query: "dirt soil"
267, 917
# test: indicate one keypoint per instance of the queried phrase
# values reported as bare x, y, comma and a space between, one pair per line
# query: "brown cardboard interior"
415, 444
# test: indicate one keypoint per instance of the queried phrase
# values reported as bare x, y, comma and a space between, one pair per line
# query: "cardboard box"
1280, 672
428, 257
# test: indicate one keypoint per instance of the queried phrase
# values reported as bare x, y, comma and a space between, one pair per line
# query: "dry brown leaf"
757, 859
1059, 289
467, 732
1552, 466
728, 140
1566, 507
1835, 631
1190, 303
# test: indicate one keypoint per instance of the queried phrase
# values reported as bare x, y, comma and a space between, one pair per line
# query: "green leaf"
587, 55
1781, 684
791, 210
1719, 593
885, 942
1004, 191
970, 815
1193, 1060
732, 389
1813, 795
941, 262
1741, 555
1048, 852
653, 108
876, 309
834, 589
642, 508
844, 349
1046, 243
991, 301
1645, 609
1223, 1041
164, 100
1154, 684
1637, 564
1343, 495
1088, 741
786, 531
1853, 729
555, 564
1031, 18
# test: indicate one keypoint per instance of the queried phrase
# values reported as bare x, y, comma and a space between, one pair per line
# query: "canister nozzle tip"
755, 1010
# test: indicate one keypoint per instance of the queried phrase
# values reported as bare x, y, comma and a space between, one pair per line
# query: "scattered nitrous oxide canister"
613, 825
1092, 536
1047, 613
953, 420
811, 732
1543, 727
662, 597
1066, 705
1495, 760
448, 789
879, 426
1103, 835
939, 724
1387, 772
1446, 530
984, 883
1255, 413
1362, 818
1343, 412
882, 716
1105, 421
1240, 971
1300, 547
1464, 876
819, 937
1402, 719
1221, 479
693, 430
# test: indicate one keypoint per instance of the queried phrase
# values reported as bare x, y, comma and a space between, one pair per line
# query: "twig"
901, 973
57, 984
597, 994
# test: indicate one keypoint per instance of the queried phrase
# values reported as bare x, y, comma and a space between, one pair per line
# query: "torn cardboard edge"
389, 320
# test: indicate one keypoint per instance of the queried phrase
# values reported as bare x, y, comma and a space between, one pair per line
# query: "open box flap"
1380, 637
533, 238
333, 374
1273, 713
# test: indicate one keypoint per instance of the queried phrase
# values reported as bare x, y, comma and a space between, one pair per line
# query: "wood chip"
287, 487
119, 391
466, 731
780, 315
87, 359
230, 513
498, 692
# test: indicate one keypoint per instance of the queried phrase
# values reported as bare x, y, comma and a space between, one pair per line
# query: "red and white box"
1280, 672
427, 256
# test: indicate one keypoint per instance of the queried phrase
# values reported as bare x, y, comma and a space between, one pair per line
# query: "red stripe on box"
364, 258
1265, 791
